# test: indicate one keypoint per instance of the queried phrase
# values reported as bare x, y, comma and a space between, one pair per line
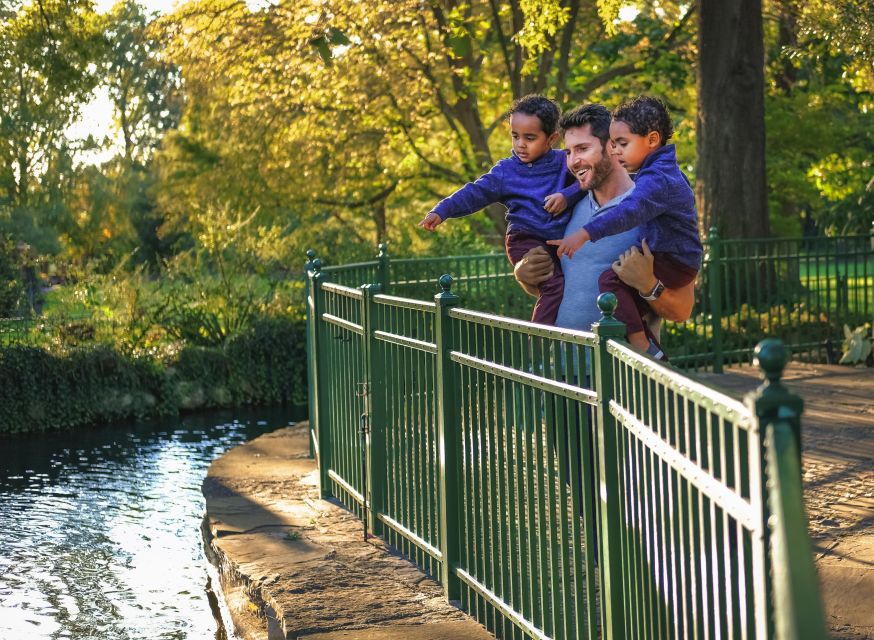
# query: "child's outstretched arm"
472, 197
650, 197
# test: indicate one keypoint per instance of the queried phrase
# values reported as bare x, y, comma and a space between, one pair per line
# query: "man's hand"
534, 268
569, 245
555, 203
636, 269
431, 221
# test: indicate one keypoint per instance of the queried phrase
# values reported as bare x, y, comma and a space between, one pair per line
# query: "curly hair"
542, 107
645, 114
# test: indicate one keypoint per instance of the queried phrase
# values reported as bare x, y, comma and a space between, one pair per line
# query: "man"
586, 136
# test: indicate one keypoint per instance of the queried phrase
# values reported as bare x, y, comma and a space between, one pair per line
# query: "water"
100, 529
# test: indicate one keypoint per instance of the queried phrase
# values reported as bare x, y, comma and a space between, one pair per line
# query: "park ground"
294, 566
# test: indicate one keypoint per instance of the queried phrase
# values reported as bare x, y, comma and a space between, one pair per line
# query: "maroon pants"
551, 291
631, 309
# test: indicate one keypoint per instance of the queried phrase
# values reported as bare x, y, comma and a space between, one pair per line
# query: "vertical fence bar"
310, 327
714, 283
375, 410
318, 361
610, 551
449, 438
766, 404
383, 269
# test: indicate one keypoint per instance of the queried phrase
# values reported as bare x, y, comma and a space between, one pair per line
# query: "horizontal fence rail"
557, 483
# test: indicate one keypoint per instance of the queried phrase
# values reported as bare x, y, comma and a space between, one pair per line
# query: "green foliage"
10, 272
40, 390
43, 389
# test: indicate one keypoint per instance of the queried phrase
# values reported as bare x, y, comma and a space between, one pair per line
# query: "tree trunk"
731, 183
380, 222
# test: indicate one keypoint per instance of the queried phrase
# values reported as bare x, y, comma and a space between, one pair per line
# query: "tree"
48, 50
354, 116
731, 186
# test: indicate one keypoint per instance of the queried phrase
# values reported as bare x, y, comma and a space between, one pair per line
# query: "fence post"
714, 284
768, 403
865, 271
797, 606
383, 269
318, 345
307, 269
609, 551
375, 409
448, 437
771, 396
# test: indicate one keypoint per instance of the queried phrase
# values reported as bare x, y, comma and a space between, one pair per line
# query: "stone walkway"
294, 566
838, 467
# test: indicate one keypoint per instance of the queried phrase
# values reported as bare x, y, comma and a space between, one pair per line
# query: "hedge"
97, 384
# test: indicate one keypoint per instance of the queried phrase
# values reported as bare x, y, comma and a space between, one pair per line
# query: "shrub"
95, 384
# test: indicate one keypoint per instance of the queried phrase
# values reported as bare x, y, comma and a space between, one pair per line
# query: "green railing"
801, 290
558, 484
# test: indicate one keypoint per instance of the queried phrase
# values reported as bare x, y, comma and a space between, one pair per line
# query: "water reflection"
99, 530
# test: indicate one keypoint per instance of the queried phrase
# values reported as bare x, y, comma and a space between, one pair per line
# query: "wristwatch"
656, 291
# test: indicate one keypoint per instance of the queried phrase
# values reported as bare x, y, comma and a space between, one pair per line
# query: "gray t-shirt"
579, 308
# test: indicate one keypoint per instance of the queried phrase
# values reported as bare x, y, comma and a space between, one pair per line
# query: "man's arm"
534, 268
636, 269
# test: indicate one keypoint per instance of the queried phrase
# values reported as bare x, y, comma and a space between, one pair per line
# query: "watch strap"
656, 291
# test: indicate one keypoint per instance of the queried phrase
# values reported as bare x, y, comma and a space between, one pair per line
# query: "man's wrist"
654, 292
644, 291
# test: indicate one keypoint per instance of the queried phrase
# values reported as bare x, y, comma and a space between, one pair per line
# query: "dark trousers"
632, 308
551, 291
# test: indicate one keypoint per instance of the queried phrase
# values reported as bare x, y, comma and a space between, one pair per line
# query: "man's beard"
599, 173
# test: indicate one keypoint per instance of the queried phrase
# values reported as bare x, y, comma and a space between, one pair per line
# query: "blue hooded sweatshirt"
662, 204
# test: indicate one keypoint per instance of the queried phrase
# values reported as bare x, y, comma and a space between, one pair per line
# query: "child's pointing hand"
569, 245
431, 221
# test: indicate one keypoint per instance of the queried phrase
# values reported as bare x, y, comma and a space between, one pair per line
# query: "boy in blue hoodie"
661, 203
534, 184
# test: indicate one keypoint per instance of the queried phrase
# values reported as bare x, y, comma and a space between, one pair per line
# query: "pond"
100, 529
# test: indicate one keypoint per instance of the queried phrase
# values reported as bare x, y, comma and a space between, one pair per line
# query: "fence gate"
338, 364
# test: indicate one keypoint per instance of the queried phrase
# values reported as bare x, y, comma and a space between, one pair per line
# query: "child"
536, 187
662, 203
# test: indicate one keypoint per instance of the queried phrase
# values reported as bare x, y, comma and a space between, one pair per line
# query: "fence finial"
607, 303
383, 250
317, 265
714, 234
445, 282
772, 400
308, 265
771, 358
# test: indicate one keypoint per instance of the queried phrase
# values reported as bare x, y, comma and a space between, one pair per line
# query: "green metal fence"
801, 290
558, 484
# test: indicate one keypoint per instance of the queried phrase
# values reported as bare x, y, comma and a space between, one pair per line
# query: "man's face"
586, 157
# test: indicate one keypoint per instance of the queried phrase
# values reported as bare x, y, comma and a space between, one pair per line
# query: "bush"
10, 286
85, 385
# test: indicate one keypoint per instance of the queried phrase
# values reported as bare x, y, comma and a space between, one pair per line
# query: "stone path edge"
292, 566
